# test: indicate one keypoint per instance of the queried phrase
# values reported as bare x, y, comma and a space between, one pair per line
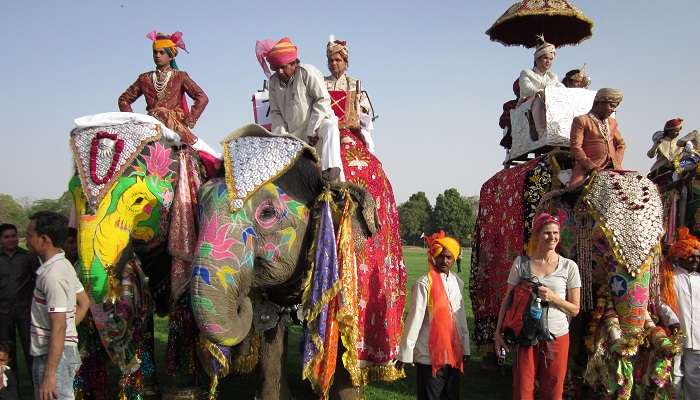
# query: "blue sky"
436, 80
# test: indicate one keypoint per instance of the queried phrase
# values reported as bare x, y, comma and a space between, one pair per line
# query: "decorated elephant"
274, 235
134, 195
612, 227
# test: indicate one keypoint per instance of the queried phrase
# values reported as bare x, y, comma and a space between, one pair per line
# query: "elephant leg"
148, 364
91, 380
182, 345
342, 388
273, 365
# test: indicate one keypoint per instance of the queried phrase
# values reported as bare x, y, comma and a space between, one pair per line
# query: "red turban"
543, 219
672, 124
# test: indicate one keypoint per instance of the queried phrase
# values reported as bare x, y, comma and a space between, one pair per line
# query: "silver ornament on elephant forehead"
237, 203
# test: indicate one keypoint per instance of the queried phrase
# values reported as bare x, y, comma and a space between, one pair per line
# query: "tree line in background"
17, 211
453, 213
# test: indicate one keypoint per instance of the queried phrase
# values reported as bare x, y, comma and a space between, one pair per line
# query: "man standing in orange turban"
436, 336
300, 104
680, 294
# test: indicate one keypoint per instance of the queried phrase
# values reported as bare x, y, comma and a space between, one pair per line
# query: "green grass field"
476, 384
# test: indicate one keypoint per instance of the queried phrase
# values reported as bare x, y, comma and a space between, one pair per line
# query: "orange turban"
685, 246
439, 242
676, 123
283, 52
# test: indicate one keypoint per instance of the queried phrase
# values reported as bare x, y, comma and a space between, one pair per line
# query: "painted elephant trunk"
227, 320
222, 272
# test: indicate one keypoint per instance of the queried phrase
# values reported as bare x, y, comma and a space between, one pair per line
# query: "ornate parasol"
559, 21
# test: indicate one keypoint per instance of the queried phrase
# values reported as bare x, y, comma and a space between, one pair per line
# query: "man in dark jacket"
17, 273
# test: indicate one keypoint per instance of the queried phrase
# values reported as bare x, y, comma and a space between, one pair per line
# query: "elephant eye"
268, 212
138, 200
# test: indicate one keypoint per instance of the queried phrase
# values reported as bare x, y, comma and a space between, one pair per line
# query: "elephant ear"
366, 211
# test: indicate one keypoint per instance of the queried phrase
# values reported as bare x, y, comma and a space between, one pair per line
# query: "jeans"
65, 373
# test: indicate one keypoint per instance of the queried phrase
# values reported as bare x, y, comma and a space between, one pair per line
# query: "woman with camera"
558, 294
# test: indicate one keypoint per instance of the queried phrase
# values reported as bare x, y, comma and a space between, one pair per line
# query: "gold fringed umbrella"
558, 20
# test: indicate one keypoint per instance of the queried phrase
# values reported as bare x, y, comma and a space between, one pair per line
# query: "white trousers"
687, 375
328, 146
367, 126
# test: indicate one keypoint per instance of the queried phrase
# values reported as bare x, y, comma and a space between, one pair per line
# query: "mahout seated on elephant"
675, 175
134, 194
381, 277
665, 149
274, 234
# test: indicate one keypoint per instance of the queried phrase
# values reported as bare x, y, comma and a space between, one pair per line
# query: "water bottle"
536, 309
502, 356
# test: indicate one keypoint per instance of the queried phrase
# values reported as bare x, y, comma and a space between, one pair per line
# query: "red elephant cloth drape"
507, 204
381, 273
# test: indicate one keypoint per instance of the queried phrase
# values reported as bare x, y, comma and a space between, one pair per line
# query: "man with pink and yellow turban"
164, 90
299, 102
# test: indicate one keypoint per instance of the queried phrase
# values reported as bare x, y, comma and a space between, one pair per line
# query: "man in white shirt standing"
300, 104
436, 336
680, 309
59, 304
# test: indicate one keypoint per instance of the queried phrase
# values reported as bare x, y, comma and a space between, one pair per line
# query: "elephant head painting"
261, 248
131, 186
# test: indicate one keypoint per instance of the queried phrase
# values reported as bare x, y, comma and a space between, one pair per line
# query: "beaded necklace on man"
160, 85
604, 127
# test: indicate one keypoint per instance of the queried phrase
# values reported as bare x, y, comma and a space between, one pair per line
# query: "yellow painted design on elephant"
87, 225
289, 236
226, 275
113, 232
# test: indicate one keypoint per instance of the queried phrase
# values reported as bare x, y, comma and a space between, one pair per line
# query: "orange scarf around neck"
444, 343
